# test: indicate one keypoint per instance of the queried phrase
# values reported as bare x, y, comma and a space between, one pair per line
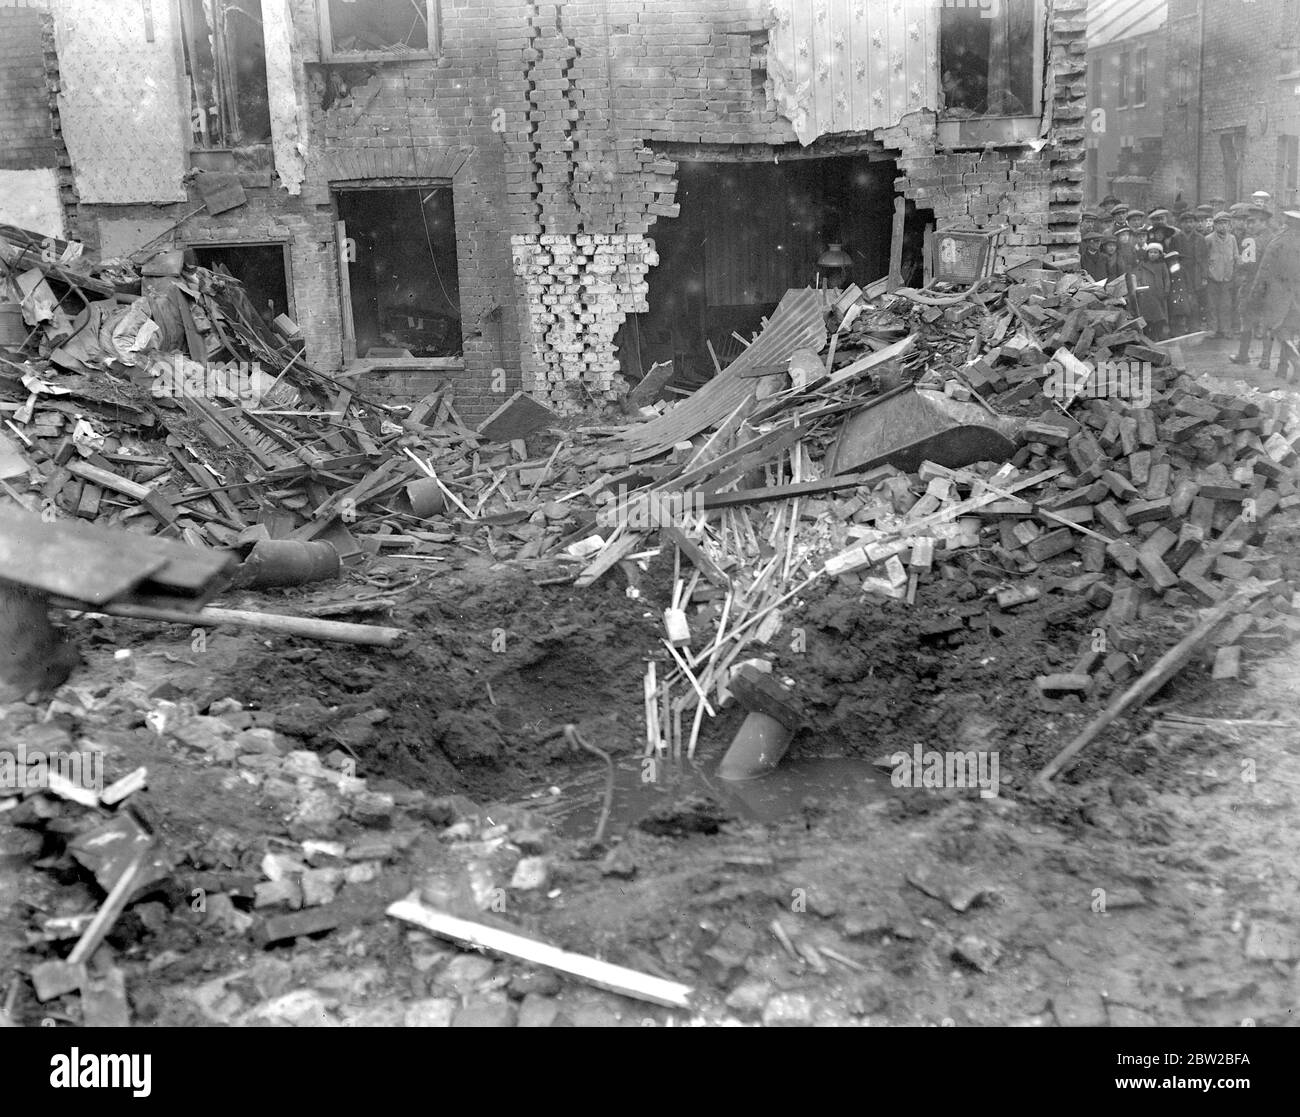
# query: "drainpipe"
1200, 92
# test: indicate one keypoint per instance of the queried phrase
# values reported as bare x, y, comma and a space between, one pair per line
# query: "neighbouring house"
1232, 115
553, 195
1126, 98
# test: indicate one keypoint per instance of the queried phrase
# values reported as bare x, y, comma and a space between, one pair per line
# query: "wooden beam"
308, 627
603, 975
1164, 669
695, 553
896, 247
786, 492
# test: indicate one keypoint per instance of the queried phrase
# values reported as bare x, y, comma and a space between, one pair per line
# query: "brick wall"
597, 87
25, 120
551, 121
29, 111
1243, 54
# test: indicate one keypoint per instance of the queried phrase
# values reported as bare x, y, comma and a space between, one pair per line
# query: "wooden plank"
519, 416
345, 291
70, 559
194, 342
1164, 669
419, 412
695, 553
603, 975
203, 479
307, 627
787, 492
107, 479
896, 247
865, 364
614, 552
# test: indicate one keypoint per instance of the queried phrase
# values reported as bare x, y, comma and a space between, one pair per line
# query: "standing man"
1250, 252
1193, 254
1277, 287
1221, 264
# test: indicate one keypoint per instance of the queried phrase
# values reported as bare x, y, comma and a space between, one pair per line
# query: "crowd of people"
1234, 271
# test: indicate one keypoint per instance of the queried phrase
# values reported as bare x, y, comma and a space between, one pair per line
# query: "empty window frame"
261, 266
225, 63
1140, 76
1125, 79
400, 280
991, 59
378, 30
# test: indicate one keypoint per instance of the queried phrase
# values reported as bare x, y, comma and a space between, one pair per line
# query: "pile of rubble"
175, 408
873, 436
1154, 488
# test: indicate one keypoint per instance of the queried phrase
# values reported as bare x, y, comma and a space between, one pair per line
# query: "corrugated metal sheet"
852, 65
122, 102
799, 320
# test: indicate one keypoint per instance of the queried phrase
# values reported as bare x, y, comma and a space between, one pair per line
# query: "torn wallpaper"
852, 65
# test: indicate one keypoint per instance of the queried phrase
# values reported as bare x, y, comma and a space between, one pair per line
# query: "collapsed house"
863, 358
553, 197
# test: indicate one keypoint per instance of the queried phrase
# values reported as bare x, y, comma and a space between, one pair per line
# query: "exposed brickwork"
29, 110
1245, 48
25, 122
557, 125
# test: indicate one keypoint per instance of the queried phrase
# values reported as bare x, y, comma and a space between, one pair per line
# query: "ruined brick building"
551, 195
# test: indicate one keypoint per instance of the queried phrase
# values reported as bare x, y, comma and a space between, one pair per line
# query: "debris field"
1000, 520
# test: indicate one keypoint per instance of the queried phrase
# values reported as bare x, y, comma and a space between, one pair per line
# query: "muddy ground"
1153, 887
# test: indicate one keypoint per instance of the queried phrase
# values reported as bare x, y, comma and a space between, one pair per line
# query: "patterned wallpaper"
122, 103
852, 65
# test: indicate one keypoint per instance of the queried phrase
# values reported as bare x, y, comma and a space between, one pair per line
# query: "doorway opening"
748, 232
401, 294
263, 269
